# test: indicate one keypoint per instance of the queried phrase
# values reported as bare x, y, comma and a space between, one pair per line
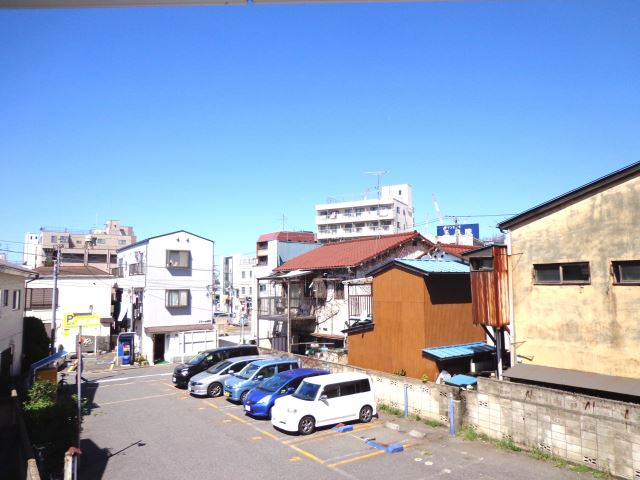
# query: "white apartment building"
84, 299
96, 247
165, 288
12, 279
236, 282
391, 213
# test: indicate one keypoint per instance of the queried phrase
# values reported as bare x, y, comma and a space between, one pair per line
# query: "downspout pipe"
512, 323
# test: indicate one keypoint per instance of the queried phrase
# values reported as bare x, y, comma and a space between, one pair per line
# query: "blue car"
259, 401
237, 386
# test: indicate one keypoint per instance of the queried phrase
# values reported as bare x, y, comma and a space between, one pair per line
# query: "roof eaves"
579, 193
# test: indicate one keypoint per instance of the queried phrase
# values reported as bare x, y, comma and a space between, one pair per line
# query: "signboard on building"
472, 229
90, 323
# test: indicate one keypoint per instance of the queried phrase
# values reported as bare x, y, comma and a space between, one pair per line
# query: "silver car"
210, 382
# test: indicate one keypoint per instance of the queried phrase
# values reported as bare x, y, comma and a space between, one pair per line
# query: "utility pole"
54, 301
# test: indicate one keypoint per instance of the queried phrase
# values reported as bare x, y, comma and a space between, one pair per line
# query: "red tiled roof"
72, 270
455, 250
288, 237
349, 253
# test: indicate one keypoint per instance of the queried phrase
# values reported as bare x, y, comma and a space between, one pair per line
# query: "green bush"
51, 420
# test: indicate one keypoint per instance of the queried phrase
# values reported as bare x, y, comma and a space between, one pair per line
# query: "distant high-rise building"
96, 247
389, 212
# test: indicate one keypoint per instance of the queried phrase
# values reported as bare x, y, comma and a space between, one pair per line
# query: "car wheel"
307, 425
214, 390
243, 397
366, 414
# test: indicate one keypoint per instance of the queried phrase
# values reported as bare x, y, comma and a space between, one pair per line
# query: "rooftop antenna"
379, 174
437, 207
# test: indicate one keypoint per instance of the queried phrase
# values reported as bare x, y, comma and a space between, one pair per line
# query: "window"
267, 372
262, 288
16, 300
100, 241
397, 209
242, 292
243, 274
283, 367
122, 242
331, 391
562, 273
5, 298
176, 298
626, 272
250, 274
178, 258
481, 264
250, 288
39, 298
54, 239
338, 289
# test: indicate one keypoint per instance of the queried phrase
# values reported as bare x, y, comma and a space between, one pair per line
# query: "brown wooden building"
416, 304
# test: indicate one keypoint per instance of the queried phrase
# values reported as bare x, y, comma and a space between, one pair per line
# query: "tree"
35, 341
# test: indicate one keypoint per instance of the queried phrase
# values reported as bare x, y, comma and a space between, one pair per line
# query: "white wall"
198, 279
76, 295
11, 319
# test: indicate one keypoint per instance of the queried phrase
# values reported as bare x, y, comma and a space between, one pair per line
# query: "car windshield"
197, 359
273, 384
248, 371
307, 391
220, 366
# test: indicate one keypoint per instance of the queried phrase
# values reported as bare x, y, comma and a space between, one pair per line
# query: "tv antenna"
379, 174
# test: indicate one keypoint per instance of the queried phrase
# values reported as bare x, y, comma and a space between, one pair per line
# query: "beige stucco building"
574, 272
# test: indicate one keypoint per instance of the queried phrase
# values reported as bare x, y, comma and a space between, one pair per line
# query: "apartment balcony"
136, 269
117, 272
300, 311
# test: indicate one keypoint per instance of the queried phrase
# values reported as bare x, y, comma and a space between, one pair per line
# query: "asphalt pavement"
140, 426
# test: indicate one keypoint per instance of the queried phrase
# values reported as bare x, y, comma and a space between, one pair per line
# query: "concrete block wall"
596, 432
428, 400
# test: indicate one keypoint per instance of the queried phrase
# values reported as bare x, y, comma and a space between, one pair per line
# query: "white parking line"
130, 378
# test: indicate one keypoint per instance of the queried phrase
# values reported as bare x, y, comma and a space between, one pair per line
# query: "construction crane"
437, 207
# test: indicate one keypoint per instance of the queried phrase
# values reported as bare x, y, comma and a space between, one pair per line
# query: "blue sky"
219, 120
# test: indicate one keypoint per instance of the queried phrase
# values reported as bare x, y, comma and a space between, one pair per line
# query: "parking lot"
141, 426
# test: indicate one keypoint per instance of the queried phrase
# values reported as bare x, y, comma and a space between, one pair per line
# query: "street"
141, 426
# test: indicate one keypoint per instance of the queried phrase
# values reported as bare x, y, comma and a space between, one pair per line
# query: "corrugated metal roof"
458, 351
350, 253
434, 266
461, 380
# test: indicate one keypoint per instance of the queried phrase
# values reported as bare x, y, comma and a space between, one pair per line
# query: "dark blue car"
259, 401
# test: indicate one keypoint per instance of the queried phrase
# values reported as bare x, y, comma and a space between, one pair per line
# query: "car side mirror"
260, 377
290, 390
323, 398
231, 371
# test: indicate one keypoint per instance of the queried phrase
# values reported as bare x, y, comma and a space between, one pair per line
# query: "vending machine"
126, 348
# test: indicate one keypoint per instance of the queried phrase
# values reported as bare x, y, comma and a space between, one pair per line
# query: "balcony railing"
359, 304
117, 272
136, 269
277, 307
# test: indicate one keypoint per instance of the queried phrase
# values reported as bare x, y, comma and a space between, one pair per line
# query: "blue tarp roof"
435, 266
47, 360
458, 351
461, 380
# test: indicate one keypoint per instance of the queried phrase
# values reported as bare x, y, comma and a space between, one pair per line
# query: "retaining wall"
596, 432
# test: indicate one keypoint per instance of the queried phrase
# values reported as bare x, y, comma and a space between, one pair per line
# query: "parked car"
211, 382
203, 360
260, 399
237, 386
325, 400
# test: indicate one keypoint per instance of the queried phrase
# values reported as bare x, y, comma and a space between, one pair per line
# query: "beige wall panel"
595, 327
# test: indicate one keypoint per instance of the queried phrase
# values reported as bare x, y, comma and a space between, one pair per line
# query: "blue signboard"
464, 229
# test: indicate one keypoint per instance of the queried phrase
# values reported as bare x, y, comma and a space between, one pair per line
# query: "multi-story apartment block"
96, 247
390, 212
165, 292
236, 282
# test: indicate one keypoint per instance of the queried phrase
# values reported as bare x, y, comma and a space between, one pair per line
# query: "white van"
325, 400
